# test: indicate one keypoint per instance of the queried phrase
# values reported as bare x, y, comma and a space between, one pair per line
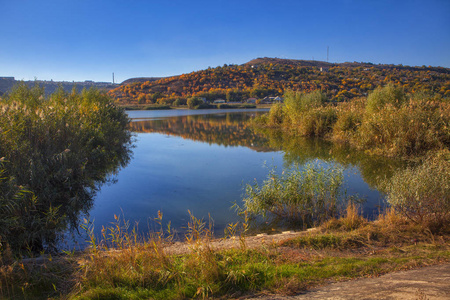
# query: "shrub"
382, 96
411, 130
349, 119
194, 102
179, 102
303, 197
422, 193
60, 148
297, 103
276, 115
316, 122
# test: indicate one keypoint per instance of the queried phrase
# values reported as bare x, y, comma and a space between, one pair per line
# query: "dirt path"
429, 283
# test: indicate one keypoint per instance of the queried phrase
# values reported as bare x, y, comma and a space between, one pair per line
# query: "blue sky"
88, 40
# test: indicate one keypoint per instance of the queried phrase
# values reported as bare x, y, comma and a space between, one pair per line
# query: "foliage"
349, 119
388, 122
317, 122
20, 226
273, 77
306, 113
276, 115
418, 126
302, 197
194, 102
298, 102
383, 96
422, 193
60, 148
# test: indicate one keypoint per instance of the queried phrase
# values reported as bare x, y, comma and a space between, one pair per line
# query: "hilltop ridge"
6, 83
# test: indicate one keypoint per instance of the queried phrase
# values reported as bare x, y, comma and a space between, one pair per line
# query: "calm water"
201, 160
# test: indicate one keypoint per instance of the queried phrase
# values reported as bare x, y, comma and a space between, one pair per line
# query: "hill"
141, 79
263, 77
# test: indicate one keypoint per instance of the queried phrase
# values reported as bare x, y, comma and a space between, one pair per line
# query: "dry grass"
125, 267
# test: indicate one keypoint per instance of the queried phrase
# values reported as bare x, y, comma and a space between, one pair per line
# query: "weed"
422, 193
303, 198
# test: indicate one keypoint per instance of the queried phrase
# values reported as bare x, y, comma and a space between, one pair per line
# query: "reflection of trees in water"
300, 150
234, 129
229, 129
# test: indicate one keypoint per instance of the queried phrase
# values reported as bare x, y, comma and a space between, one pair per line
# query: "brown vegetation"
272, 77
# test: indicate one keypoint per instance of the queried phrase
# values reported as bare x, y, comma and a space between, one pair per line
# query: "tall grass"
148, 268
303, 198
411, 130
122, 265
422, 193
383, 96
388, 122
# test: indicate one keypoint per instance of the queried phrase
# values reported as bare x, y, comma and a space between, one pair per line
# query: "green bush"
194, 102
276, 115
297, 103
60, 148
422, 193
179, 102
382, 96
303, 197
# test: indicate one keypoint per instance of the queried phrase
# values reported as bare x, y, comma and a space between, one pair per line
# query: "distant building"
267, 100
219, 101
323, 69
251, 100
278, 99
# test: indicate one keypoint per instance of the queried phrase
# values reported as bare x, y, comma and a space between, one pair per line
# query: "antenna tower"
113, 77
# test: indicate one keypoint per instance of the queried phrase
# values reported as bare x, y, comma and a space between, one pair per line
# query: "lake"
201, 160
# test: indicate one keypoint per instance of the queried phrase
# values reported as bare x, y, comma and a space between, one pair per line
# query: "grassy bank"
198, 106
146, 107
121, 266
388, 122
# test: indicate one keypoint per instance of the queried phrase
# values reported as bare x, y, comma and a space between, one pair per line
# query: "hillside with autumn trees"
264, 77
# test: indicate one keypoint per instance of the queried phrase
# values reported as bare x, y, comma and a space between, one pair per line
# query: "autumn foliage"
272, 77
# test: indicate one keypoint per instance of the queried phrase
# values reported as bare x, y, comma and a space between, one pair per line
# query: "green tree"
194, 102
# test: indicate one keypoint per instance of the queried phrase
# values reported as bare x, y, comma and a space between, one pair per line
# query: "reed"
302, 198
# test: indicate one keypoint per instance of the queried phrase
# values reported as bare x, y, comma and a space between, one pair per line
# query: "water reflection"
202, 163
234, 129
299, 150
226, 129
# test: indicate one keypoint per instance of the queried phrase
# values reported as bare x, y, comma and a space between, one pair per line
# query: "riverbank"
209, 106
122, 267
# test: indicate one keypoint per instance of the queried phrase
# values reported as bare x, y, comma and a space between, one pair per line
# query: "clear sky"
89, 39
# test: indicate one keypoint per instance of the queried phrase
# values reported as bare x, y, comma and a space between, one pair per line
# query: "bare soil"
432, 283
